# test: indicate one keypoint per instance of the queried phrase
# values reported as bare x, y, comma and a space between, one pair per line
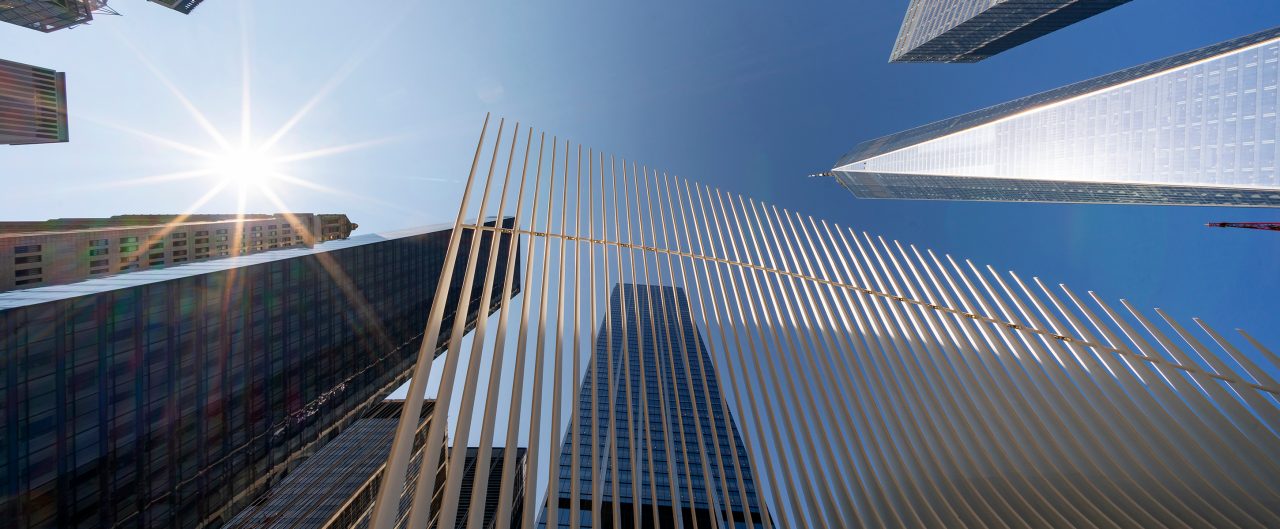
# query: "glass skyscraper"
642, 333
972, 30
172, 398
1198, 128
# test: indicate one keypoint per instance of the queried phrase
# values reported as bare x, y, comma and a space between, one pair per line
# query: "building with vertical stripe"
972, 30
33, 104
1198, 128
675, 454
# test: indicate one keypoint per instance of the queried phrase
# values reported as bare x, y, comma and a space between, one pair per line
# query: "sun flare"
244, 167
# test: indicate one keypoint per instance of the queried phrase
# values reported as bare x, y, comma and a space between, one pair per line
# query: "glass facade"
1198, 128
972, 30
172, 398
653, 338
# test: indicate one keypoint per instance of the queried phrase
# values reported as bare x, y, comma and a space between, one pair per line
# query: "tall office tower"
33, 103
1198, 128
181, 6
172, 398
972, 30
60, 251
49, 15
648, 337
335, 487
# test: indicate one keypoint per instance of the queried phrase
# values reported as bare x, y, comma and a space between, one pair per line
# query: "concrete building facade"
61, 251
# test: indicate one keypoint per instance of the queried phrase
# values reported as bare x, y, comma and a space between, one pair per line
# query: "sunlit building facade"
172, 398
972, 30
1198, 128
60, 251
648, 331
33, 103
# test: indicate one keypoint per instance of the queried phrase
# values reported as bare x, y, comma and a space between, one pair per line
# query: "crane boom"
1272, 226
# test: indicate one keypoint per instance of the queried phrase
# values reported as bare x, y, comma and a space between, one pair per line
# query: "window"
221, 232
129, 248
202, 250
98, 271
271, 234
99, 251
180, 260
28, 272
179, 252
202, 241
156, 256
27, 281
222, 238
272, 241
179, 243
272, 227
30, 248
98, 242
256, 228
178, 236
26, 259
156, 246
129, 267
129, 259
222, 247
125, 240
201, 233
99, 262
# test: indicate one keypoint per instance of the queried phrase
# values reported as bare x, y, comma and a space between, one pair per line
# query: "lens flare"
244, 167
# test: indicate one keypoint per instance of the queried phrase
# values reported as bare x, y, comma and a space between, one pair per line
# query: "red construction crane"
1272, 226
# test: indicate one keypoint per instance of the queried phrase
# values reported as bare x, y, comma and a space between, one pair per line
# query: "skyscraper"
1198, 128
335, 487
49, 15
33, 103
181, 6
60, 251
649, 338
972, 30
171, 398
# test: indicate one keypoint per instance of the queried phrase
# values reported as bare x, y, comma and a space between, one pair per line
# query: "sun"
245, 167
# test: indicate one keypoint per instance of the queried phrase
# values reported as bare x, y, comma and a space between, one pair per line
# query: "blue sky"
747, 96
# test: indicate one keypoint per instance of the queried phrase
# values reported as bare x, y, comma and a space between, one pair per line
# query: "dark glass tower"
173, 398
33, 104
652, 336
972, 30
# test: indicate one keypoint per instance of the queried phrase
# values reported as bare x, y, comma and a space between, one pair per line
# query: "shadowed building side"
972, 30
172, 398
649, 327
